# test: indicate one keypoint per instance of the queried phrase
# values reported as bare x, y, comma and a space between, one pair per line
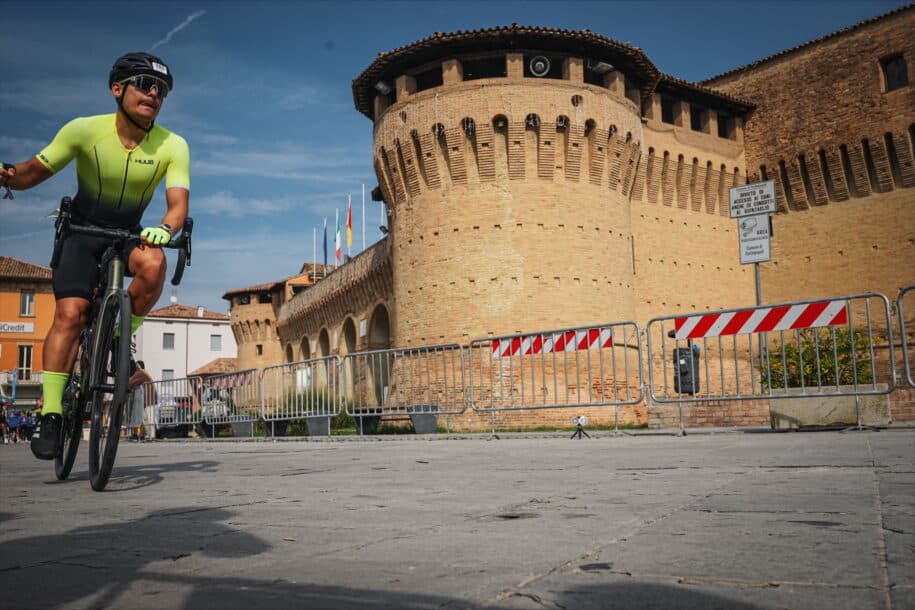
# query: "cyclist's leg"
147, 267
73, 280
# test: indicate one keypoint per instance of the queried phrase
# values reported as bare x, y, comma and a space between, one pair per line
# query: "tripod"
579, 432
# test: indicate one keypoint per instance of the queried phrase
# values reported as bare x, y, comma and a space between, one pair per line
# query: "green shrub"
789, 363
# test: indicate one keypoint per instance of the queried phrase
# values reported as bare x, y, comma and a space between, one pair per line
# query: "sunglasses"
147, 83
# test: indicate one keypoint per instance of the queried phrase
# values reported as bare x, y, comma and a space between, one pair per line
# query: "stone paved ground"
730, 520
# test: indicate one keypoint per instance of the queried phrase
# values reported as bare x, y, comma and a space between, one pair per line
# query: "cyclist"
120, 160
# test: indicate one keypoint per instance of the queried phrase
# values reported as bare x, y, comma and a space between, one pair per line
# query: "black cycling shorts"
77, 271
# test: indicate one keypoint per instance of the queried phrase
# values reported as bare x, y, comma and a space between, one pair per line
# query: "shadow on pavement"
155, 561
129, 478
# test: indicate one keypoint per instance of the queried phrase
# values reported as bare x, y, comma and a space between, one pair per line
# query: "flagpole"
349, 225
314, 254
363, 217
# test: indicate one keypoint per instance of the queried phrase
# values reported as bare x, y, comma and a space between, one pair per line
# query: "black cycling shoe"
46, 438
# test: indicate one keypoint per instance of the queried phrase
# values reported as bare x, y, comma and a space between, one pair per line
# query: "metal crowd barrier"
908, 350
232, 398
310, 388
586, 366
774, 351
404, 381
171, 404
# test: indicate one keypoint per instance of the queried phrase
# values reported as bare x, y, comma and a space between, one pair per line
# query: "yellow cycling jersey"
116, 183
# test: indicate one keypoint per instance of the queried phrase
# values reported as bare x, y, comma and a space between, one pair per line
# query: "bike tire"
74, 411
109, 376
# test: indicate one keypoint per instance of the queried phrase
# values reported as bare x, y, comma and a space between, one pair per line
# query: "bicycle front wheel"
109, 375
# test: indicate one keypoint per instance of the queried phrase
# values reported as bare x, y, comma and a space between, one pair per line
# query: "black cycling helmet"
133, 64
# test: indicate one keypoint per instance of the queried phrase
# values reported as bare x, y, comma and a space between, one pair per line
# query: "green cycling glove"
156, 236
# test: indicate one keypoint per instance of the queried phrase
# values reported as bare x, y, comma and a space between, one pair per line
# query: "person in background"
12, 420
142, 393
3, 430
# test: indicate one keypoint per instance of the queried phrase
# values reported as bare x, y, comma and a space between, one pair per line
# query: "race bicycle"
98, 386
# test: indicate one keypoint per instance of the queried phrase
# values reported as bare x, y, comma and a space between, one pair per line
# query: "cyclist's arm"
177, 184
177, 199
25, 175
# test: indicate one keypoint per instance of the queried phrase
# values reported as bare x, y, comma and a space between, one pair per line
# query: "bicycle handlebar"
181, 242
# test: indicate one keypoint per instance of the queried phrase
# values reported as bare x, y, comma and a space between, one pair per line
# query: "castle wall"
840, 148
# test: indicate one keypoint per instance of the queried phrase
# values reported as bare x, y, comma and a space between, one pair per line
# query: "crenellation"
633, 153
617, 149
836, 174
815, 176
903, 150
598, 153
881, 166
798, 196
697, 186
653, 176
408, 165
574, 147
429, 163
485, 152
668, 178
546, 146
516, 139
454, 140
862, 186
683, 178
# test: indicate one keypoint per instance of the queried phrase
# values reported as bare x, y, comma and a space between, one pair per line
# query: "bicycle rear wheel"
74, 413
110, 365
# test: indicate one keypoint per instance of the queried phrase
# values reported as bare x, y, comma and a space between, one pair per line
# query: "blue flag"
325, 245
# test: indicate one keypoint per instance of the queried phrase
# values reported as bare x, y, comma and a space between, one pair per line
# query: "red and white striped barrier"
568, 341
225, 382
763, 319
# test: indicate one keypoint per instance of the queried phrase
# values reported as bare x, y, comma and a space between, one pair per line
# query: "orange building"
26, 313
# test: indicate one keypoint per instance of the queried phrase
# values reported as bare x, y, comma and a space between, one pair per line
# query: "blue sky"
262, 95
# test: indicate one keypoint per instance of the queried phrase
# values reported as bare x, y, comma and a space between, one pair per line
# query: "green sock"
53, 385
135, 322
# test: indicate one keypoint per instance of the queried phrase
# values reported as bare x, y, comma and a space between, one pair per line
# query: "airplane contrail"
178, 28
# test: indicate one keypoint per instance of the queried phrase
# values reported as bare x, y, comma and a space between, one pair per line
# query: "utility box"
686, 370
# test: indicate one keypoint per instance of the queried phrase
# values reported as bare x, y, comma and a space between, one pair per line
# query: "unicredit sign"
17, 327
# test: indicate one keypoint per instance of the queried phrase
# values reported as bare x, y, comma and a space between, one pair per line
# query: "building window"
264, 297
25, 362
215, 343
259, 349
168, 374
667, 110
725, 126
698, 118
27, 303
244, 299
429, 79
895, 74
487, 67
168, 340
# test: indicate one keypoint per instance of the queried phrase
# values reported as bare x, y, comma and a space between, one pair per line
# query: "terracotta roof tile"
186, 311
13, 268
215, 367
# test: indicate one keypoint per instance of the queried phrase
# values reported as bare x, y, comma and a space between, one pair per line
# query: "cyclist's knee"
70, 313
